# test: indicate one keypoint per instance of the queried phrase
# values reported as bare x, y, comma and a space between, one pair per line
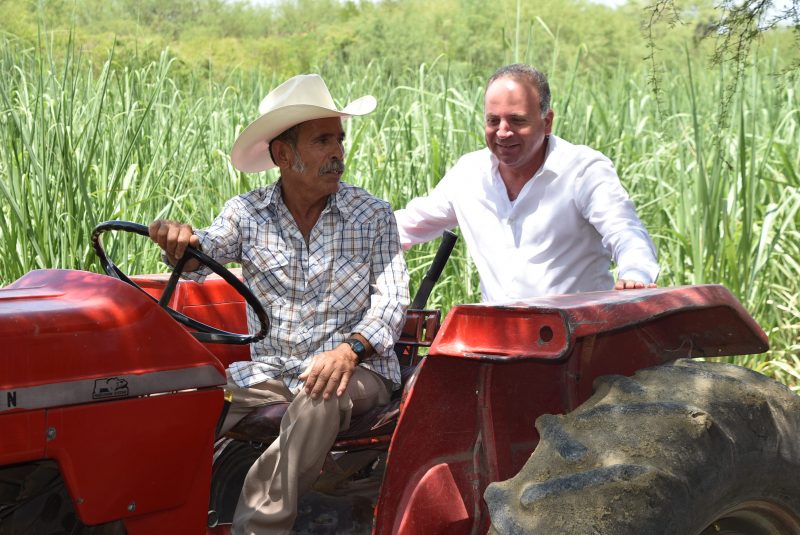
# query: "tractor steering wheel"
204, 333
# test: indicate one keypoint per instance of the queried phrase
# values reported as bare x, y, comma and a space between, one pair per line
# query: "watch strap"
358, 348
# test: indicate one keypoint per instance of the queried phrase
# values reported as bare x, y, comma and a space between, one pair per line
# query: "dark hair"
526, 73
288, 136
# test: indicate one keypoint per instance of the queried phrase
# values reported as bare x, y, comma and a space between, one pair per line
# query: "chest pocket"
350, 291
269, 273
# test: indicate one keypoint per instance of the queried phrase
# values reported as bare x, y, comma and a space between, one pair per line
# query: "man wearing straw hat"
325, 259
539, 214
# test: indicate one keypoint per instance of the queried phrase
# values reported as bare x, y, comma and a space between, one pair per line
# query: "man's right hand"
173, 238
630, 284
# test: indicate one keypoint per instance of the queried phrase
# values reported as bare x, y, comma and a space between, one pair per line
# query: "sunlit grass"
81, 144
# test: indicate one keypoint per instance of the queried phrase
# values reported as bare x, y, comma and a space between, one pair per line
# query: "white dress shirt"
559, 235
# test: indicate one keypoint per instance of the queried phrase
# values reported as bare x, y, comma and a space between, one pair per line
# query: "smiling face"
314, 166
514, 126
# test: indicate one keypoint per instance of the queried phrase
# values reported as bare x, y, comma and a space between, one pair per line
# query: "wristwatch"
358, 348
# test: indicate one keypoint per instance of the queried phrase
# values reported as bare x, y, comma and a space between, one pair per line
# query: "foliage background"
127, 109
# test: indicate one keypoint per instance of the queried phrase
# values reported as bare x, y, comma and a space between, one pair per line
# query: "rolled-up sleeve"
425, 218
389, 297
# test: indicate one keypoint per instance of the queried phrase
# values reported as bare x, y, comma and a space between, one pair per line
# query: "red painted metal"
145, 459
493, 370
379, 442
466, 420
63, 325
545, 328
23, 436
136, 457
435, 506
213, 302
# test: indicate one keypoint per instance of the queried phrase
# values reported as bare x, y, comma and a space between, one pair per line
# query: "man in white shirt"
539, 215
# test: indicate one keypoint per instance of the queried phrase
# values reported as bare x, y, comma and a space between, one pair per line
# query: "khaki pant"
291, 464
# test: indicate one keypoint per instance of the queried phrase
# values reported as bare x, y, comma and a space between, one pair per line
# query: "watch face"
358, 347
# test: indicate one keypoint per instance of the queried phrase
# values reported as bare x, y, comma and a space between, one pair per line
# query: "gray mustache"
336, 166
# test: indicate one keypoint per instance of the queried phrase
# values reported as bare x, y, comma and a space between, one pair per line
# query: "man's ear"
281, 153
548, 122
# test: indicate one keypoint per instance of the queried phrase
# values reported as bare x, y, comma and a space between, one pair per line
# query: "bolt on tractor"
573, 414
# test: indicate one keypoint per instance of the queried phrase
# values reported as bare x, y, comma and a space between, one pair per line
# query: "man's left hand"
628, 284
330, 371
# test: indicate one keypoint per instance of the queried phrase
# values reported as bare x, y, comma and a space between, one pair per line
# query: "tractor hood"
74, 337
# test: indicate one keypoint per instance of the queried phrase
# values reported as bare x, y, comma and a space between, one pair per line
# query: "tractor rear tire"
685, 448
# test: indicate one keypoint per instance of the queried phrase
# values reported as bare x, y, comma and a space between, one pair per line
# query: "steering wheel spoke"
202, 332
172, 283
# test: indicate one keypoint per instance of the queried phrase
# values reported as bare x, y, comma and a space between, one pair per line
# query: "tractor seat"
376, 425
263, 424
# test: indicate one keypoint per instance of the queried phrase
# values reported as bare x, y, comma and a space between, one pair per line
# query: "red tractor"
108, 412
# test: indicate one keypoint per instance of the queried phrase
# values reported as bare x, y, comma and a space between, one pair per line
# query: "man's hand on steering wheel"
173, 237
177, 239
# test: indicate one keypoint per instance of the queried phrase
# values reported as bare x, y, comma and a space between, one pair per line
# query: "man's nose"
503, 130
338, 153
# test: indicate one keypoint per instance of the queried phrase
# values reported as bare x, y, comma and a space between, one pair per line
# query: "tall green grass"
84, 143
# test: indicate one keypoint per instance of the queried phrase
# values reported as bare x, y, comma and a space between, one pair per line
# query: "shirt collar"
273, 196
552, 162
342, 200
338, 202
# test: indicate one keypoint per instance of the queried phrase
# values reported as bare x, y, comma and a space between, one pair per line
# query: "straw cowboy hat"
299, 99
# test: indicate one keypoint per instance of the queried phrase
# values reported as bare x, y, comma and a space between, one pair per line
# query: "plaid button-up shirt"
350, 278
